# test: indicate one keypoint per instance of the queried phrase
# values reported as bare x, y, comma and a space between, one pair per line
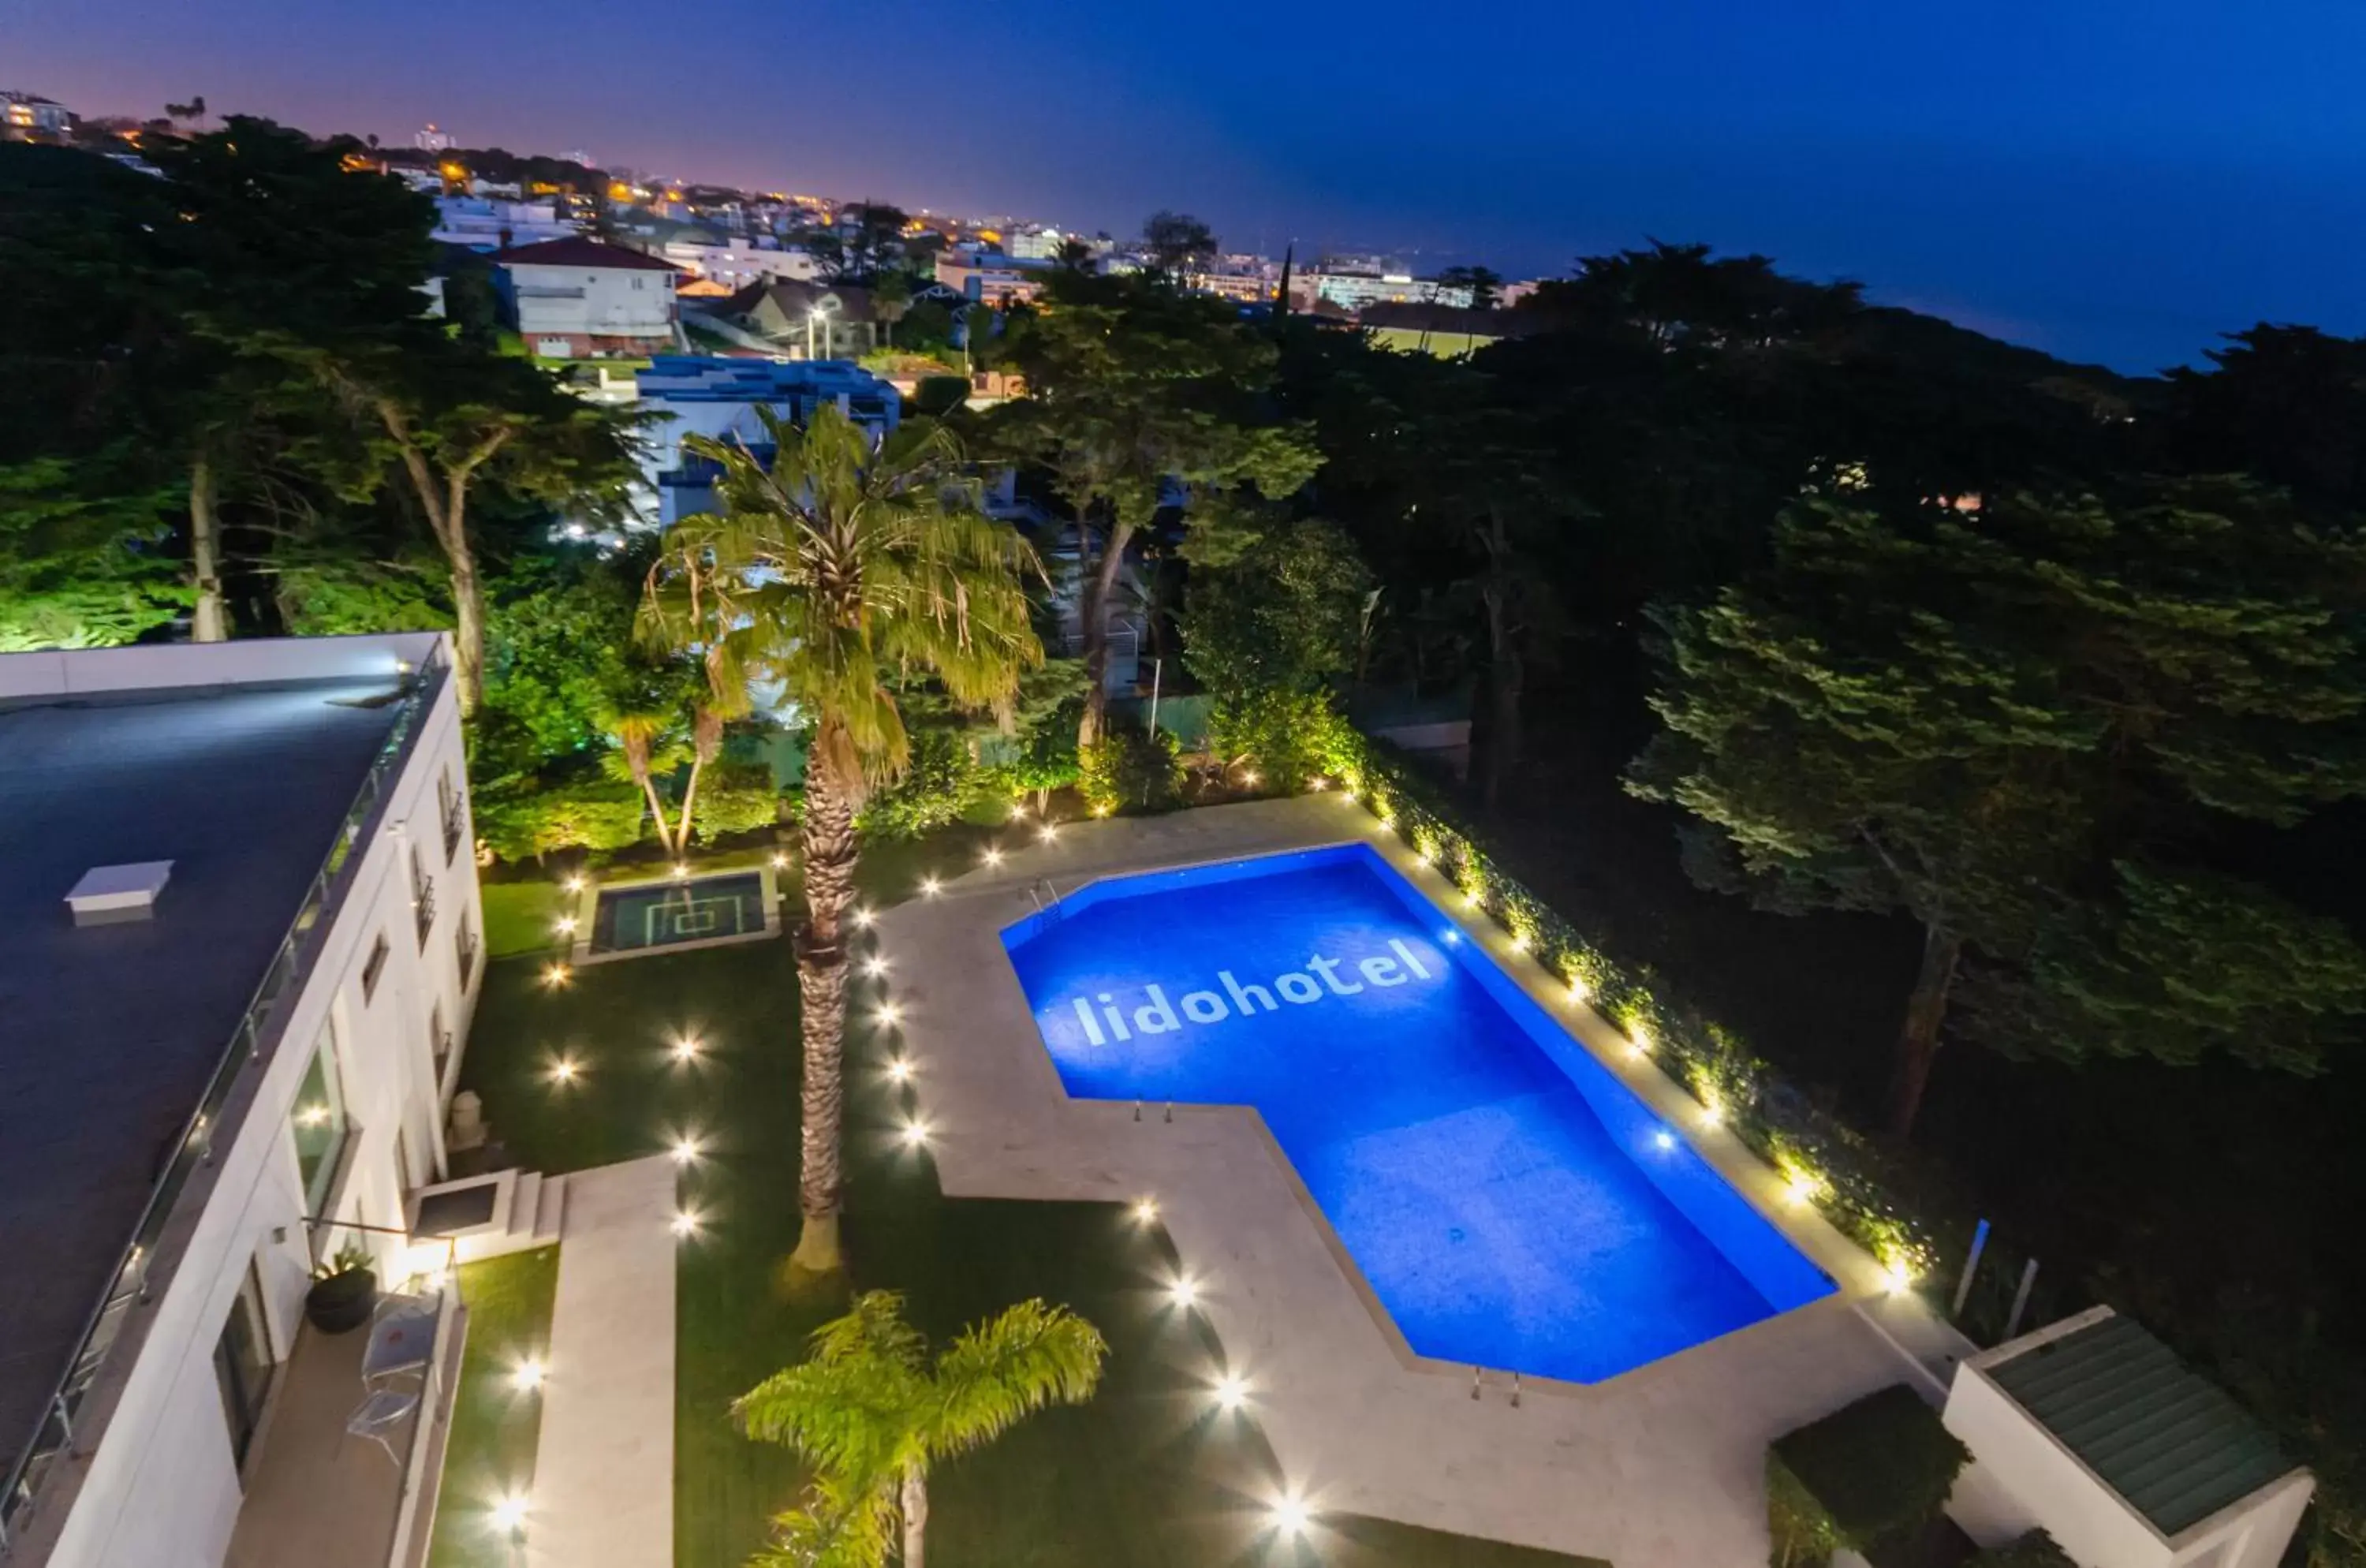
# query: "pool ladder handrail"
1046, 897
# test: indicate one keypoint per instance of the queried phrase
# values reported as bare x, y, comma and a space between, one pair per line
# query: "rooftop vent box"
108, 894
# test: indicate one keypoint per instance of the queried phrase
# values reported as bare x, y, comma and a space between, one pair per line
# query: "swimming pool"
1510, 1202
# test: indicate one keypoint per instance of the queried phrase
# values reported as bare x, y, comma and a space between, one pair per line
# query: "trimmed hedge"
2035, 1549
1829, 1163
1874, 1470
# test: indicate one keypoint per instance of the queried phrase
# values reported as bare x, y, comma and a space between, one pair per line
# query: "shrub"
1282, 735
1880, 1467
587, 814
2035, 1549
735, 798
1128, 770
940, 783
937, 396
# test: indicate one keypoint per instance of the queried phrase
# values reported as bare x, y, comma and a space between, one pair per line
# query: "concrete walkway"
603, 1478
1659, 1468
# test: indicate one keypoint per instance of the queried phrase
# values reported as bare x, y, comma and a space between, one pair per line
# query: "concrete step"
550, 1216
526, 1199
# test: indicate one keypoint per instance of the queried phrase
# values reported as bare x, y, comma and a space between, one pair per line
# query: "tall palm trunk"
830, 855
1099, 587
1918, 1038
706, 742
916, 1515
211, 622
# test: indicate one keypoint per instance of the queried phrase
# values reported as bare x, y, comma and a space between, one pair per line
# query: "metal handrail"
288, 967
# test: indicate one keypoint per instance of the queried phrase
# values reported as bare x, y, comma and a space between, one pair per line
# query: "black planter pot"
342, 1302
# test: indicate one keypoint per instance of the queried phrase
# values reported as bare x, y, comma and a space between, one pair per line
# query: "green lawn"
494, 1424
1145, 1474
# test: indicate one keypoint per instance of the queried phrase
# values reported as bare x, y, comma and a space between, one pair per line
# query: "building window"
422, 896
319, 1122
375, 967
439, 1039
451, 811
243, 1365
464, 940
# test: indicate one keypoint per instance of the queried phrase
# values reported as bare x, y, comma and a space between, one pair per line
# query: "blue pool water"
1507, 1199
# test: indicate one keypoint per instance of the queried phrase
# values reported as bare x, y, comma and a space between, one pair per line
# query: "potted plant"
344, 1292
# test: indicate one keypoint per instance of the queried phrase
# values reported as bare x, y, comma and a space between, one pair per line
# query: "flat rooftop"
2167, 1440
109, 1033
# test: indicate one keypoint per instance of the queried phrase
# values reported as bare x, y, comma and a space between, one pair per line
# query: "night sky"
2112, 182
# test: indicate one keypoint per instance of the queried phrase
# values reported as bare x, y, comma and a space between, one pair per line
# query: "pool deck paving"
1662, 1467
603, 1472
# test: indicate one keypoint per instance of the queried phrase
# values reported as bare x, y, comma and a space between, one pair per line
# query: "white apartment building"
716, 397
1354, 290
579, 299
246, 942
736, 266
484, 223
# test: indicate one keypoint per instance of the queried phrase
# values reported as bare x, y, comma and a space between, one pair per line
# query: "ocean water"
1509, 1202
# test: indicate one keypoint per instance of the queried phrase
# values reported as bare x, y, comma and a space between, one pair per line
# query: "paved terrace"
1660, 1467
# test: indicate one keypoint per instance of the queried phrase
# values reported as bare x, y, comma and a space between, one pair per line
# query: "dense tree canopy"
2018, 724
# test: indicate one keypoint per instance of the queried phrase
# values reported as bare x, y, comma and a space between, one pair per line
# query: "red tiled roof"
579, 251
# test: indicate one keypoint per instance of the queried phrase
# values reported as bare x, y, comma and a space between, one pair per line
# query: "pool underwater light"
1664, 1139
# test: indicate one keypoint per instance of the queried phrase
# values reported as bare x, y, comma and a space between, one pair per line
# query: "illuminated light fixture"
1453, 938
1145, 1209
687, 1149
1232, 1392
1018, 811
1578, 989
1249, 777
1348, 795
1184, 1291
862, 916
992, 857
554, 976
1470, 897
566, 924
528, 1375
1318, 781
575, 885
1897, 1276
780, 862
687, 1048
1050, 833
1711, 1113
887, 1016
563, 1070
1639, 1041
1801, 1189
509, 1514
1519, 941
914, 1134
1664, 1139
680, 871
313, 1116
686, 1222
874, 967
929, 886
1101, 809
1290, 1515
899, 1069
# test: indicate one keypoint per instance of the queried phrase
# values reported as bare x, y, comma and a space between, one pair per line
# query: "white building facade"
576, 298
329, 1104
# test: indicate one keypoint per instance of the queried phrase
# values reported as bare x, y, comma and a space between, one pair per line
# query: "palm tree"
838, 569
643, 750
871, 1412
